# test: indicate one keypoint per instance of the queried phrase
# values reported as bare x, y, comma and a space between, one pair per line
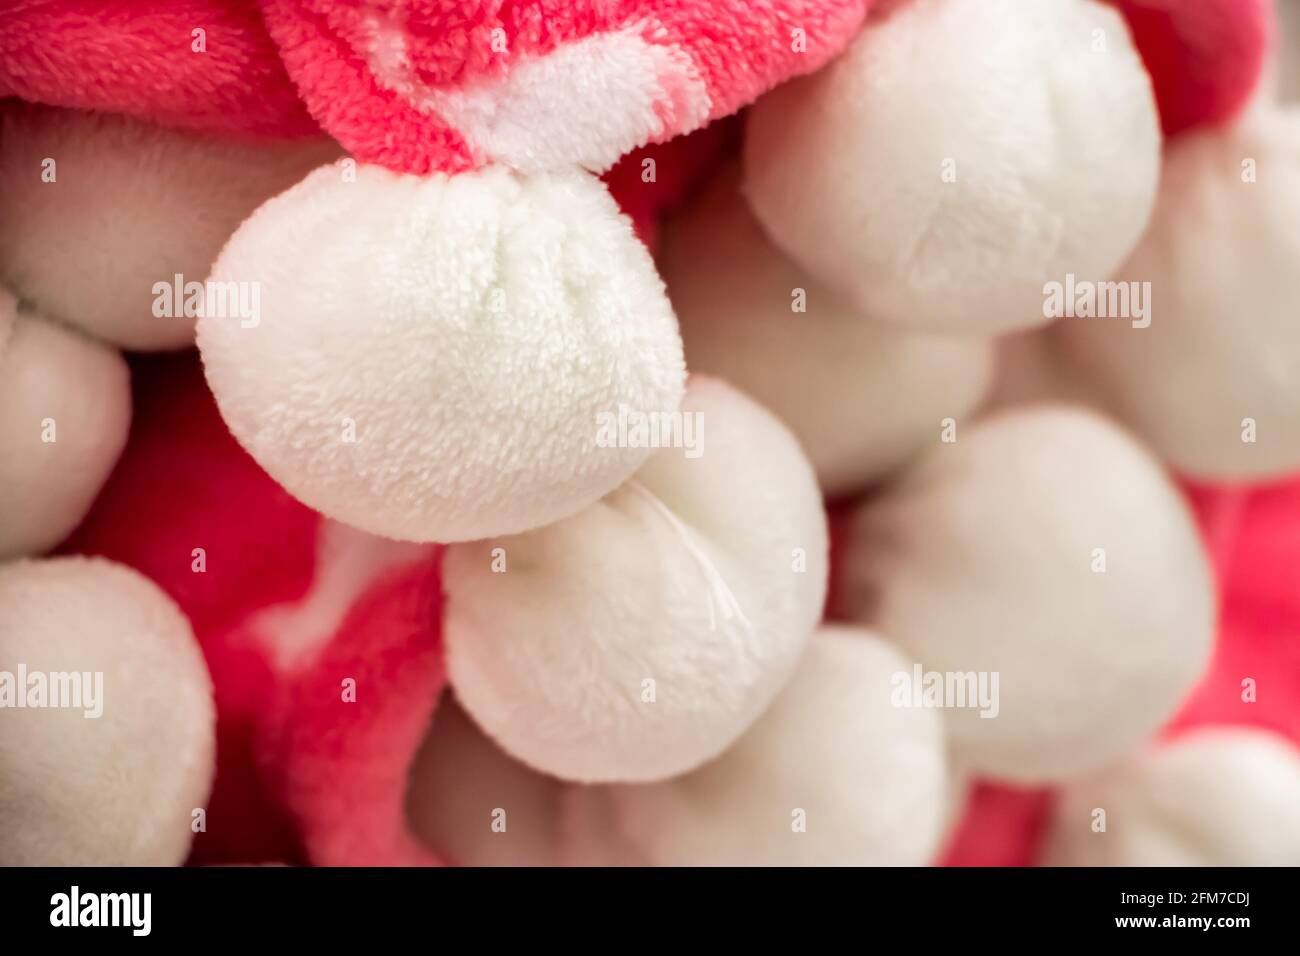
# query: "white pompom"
65, 408
960, 155
833, 774
1046, 551
1212, 384
112, 775
96, 211
862, 397
434, 354
1220, 796
640, 637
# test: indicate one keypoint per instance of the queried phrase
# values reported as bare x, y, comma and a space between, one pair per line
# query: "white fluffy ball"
960, 155
862, 397
65, 408
118, 789
1221, 257
433, 353
833, 774
1222, 796
1047, 549
95, 209
640, 637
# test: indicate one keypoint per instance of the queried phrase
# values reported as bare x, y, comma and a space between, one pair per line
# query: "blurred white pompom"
97, 209
1044, 550
861, 396
960, 155
1220, 796
65, 409
833, 774
1212, 383
113, 775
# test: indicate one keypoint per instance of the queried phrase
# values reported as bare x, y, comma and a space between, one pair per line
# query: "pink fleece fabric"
302, 775
1205, 57
339, 767
139, 57
739, 48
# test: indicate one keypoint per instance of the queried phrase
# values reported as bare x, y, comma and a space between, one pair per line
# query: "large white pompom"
97, 210
833, 774
640, 637
119, 788
433, 354
960, 155
1044, 549
1213, 382
65, 408
1221, 796
862, 397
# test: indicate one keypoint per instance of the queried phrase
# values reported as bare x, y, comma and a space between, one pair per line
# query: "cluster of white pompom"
851, 276
636, 636
129, 204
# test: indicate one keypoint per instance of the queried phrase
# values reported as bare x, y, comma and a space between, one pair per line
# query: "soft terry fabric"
288, 607
422, 86
144, 58
432, 353
641, 636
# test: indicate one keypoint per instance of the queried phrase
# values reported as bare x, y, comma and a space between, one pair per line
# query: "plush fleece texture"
142, 58
422, 86
44, 48
433, 353
594, 648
